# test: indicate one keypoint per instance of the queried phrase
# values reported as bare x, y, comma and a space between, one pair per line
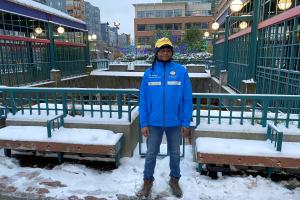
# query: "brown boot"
176, 190
146, 189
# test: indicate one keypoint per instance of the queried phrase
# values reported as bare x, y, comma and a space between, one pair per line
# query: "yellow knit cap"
163, 41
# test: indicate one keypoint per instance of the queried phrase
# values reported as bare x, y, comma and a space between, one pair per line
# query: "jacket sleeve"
187, 102
143, 111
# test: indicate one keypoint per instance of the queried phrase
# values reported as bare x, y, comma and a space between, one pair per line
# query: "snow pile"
249, 81
62, 135
246, 147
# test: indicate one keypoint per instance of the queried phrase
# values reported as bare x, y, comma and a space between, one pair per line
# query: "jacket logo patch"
172, 73
174, 83
154, 83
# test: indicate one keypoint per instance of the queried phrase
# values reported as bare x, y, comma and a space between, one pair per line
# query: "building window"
159, 27
140, 14
150, 27
153, 27
168, 26
203, 25
159, 13
141, 27
198, 13
144, 40
177, 27
69, 3
177, 13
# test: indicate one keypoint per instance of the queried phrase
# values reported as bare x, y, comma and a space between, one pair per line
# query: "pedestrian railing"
254, 109
24, 73
119, 103
102, 64
183, 61
275, 135
71, 68
27, 60
51, 125
76, 102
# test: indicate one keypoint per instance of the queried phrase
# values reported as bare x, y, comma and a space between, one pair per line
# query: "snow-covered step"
247, 152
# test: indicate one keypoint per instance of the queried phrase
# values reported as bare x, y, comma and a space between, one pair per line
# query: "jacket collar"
163, 64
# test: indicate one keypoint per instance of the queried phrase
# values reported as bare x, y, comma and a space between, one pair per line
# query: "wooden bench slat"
59, 147
277, 162
246, 153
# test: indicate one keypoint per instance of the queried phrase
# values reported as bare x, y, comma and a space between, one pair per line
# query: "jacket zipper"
164, 107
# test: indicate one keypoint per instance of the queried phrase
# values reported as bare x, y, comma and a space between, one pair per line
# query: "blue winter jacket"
166, 96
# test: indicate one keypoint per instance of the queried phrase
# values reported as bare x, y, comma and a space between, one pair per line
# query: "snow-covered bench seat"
63, 140
246, 153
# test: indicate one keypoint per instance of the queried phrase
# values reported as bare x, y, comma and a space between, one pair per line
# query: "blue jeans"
153, 144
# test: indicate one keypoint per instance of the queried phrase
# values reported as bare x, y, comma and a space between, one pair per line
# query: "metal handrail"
51, 124
271, 130
225, 108
72, 101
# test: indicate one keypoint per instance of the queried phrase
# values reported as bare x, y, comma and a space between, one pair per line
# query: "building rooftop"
153, 4
44, 8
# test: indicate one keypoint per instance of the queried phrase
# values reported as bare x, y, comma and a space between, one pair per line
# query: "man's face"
164, 54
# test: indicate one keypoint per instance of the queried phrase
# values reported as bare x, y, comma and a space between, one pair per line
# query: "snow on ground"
78, 180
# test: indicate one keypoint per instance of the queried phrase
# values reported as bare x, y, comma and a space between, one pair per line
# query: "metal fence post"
86, 49
64, 102
119, 106
198, 112
253, 41
265, 105
52, 49
227, 23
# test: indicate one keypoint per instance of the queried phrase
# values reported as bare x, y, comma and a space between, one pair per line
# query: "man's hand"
185, 132
145, 131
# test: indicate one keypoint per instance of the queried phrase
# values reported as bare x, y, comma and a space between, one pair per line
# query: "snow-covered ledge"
248, 86
88, 69
55, 75
223, 77
212, 69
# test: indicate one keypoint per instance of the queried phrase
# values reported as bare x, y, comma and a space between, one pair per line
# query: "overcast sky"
121, 10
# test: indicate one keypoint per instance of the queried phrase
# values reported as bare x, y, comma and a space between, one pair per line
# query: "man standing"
165, 106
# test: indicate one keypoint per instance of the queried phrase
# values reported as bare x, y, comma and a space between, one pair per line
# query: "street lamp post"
117, 25
206, 37
93, 39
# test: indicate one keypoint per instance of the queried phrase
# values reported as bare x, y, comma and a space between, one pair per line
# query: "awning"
222, 18
36, 13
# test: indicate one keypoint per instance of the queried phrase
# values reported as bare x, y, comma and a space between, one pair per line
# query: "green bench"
100, 143
270, 153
